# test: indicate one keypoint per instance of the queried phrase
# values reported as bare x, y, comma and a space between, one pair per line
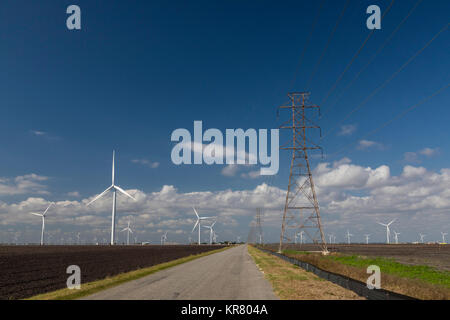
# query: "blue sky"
139, 70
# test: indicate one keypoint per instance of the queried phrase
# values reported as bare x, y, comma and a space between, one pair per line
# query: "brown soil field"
26, 271
433, 255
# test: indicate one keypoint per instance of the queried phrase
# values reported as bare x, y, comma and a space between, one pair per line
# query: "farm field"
30, 270
420, 271
433, 255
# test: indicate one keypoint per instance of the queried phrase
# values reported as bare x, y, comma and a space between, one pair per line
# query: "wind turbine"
388, 232
330, 236
198, 222
164, 238
211, 231
114, 189
348, 236
238, 239
422, 236
301, 236
42, 215
443, 237
367, 238
128, 229
78, 238
396, 237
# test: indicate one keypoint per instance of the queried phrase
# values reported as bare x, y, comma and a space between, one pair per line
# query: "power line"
333, 87
328, 44
387, 81
398, 116
376, 54
300, 61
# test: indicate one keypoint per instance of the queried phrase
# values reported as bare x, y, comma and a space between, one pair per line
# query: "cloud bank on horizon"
350, 195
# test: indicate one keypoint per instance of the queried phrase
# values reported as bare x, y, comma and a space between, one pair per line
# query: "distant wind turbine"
396, 237
114, 189
330, 237
198, 223
348, 236
128, 229
422, 236
164, 238
42, 215
211, 231
301, 236
443, 237
388, 232
367, 238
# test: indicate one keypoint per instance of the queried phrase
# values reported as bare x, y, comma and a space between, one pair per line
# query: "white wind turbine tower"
348, 236
238, 239
367, 238
330, 237
198, 222
78, 238
443, 237
128, 229
211, 231
164, 238
42, 215
114, 189
388, 232
396, 237
422, 236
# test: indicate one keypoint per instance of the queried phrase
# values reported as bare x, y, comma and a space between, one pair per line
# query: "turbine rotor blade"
47, 208
113, 167
36, 214
100, 195
196, 212
195, 225
124, 192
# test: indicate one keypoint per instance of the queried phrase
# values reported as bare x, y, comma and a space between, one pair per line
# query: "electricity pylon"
301, 209
258, 226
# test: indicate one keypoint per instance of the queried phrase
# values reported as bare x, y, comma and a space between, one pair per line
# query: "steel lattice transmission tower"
258, 226
301, 210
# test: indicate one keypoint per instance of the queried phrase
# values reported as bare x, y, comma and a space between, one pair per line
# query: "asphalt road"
227, 275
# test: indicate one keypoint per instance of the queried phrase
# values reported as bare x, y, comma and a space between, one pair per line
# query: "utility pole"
301, 210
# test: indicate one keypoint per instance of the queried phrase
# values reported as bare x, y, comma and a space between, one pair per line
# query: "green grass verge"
96, 286
390, 266
387, 265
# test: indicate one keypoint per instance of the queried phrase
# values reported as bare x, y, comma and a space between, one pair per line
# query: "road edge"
99, 285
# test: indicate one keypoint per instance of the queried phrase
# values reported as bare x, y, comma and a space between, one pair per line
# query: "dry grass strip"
293, 283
